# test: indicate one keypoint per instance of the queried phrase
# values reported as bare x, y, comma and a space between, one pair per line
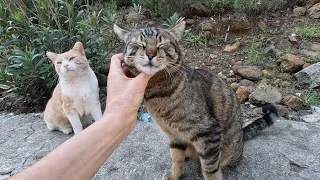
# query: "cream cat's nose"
66, 65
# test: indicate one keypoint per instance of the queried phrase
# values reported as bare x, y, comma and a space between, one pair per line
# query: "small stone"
245, 82
212, 67
222, 76
242, 94
299, 11
212, 56
266, 73
290, 63
231, 80
265, 94
306, 65
314, 11
190, 22
235, 86
277, 81
248, 72
293, 102
293, 39
232, 48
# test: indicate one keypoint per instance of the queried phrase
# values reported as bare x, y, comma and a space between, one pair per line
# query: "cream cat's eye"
59, 62
72, 58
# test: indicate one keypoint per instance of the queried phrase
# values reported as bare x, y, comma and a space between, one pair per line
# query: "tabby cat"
195, 108
75, 100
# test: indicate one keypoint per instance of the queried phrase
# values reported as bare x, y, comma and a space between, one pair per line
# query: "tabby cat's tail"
258, 125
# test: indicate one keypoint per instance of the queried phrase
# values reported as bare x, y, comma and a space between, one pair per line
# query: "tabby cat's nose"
151, 56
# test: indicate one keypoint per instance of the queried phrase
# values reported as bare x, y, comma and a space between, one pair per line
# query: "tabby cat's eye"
142, 45
72, 58
59, 62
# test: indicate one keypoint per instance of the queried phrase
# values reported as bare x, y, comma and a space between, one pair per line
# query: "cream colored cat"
76, 96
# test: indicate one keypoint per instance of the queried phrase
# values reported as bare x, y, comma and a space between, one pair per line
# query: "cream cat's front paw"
66, 130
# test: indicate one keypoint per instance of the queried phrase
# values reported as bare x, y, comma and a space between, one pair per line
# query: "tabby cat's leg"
207, 145
177, 151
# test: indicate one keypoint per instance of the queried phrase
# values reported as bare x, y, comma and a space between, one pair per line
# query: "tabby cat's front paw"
168, 176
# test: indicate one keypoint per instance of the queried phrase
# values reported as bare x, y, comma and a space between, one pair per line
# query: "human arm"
82, 155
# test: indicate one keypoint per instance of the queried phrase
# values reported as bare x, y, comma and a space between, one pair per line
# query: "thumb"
143, 79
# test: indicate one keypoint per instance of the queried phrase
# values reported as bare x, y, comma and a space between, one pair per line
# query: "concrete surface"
288, 150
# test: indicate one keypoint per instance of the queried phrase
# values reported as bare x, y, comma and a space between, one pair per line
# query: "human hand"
124, 94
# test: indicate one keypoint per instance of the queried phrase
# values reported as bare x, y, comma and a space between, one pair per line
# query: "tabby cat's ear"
52, 56
78, 46
178, 30
121, 32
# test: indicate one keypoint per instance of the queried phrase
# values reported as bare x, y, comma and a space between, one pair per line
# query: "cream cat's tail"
258, 125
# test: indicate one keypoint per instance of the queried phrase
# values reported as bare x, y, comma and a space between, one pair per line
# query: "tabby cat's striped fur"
195, 108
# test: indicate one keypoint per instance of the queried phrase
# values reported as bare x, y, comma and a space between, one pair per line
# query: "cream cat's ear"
121, 32
78, 46
178, 30
52, 56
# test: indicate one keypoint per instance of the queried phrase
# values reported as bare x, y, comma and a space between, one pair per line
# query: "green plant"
310, 98
137, 8
194, 40
312, 59
308, 32
29, 74
173, 20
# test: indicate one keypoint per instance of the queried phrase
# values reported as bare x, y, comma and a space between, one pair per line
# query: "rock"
190, 22
310, 49
235, 86
265, 94
275, 154
213, 56
293, 102
271, 50
309, 75
245, 82
199, 9
242, 94
231, 80
290, 63
299, 11
311, 118
306, 65
248, 72
232, 48
266, 73
102, 79
313, 2
283, 111
314, 11
293, 39
212, 68
222, 76
240, 25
